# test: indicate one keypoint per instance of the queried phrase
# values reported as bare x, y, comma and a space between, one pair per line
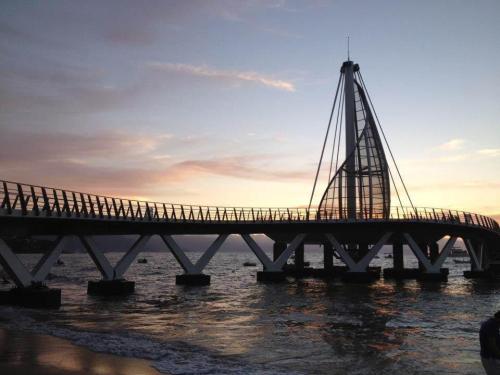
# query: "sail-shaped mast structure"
360, 187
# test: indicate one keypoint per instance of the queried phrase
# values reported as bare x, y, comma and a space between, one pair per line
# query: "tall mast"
350, 137
360, 187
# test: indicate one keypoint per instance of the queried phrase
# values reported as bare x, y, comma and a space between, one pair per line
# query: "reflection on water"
310, 326
32, 354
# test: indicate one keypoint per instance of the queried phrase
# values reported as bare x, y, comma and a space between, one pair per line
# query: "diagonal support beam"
481, 254
259, 253
42, 268
477, 261
98, 257
124, 263
208, 255
296, 242
418, 253
444, 254
362, 265
429, 267
344, 255
179, 255
13, 266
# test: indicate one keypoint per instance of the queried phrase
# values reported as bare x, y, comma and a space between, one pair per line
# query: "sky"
227, 102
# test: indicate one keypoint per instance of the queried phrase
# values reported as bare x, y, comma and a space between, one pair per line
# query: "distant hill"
190, 243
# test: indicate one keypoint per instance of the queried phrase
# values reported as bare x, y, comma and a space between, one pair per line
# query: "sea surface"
239, 326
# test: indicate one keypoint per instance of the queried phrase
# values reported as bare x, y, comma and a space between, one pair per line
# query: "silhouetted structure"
360, 188
354, 220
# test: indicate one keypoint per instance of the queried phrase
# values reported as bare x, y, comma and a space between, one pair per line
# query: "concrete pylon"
328, 257
299, 257
397, 254
278, 249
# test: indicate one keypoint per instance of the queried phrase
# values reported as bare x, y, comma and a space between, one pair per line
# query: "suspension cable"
395, 188
341, 109
324, 143
335, 133
387, 143
340, 133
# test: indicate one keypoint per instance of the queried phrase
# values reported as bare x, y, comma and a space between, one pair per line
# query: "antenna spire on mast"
348, 52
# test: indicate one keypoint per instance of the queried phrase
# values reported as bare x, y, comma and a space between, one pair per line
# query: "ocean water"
239, 326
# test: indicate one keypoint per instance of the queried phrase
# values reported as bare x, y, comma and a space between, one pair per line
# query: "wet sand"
26, 353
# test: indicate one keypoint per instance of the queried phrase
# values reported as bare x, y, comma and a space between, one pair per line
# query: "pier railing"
30, 200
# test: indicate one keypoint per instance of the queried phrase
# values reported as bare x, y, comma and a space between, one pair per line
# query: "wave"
174, 358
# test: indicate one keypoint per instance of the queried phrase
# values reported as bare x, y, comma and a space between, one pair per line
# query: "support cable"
335, 134
387, 143
340, 134
341, 109
324, 144
395, 188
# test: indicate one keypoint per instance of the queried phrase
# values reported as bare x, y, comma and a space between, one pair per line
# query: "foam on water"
169, 357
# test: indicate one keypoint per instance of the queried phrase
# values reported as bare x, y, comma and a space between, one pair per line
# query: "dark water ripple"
239, 326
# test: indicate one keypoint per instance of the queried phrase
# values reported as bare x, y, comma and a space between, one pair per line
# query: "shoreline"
23, 352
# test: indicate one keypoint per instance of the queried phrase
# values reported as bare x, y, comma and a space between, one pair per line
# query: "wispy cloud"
29, 146
238, 167
148, 179
220, 74
458, 185
452, 144
125, 164
491, 152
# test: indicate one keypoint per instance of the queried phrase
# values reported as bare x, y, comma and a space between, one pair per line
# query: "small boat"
459, 261
142, 260
249, 264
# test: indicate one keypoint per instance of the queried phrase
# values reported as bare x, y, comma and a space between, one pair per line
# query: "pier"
352, 222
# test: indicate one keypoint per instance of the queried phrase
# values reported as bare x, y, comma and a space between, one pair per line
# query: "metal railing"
30, 200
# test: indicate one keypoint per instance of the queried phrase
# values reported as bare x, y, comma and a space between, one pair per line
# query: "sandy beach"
26, 353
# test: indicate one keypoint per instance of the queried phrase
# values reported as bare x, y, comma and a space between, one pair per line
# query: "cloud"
124, 164
490, 152
146, 180
218, 74
52, 88
27, 146
452, 144
457, 185
238, 167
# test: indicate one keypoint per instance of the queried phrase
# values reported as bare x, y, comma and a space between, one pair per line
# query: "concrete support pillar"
29, 291
193, 273
278, 249
433, 251
397, 255
475, 264
362, 250
423, 247
481, 253
299, 257
328, 257
273, 270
